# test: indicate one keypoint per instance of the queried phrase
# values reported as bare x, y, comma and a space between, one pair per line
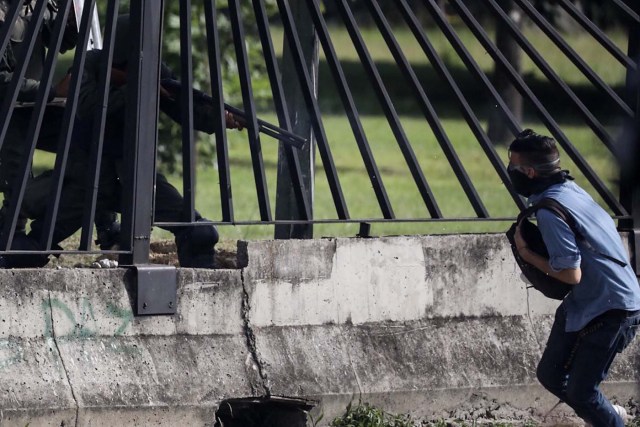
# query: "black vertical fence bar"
470, 63
68, 120
427, 109
253, 134
593, 123
312, 105
141, 129
271, 62
22, 59
35, 123
388, 108
467, 111
99, 123
568, 51
627, 10
301, 124
215, 71
597, 34
350, 108
186, 112
544, 115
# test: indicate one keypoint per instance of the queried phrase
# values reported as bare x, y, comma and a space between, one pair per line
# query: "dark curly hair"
539, 151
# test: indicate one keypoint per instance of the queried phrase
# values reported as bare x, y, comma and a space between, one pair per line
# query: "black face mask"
526, 186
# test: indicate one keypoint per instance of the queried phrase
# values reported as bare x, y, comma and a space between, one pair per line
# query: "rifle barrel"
271, 129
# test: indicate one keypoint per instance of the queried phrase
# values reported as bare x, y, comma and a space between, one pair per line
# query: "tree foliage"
170, 137
605, 14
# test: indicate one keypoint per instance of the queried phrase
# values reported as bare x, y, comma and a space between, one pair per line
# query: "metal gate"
301, 127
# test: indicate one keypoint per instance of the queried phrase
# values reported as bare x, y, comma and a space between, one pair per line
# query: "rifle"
199, 97
270, 129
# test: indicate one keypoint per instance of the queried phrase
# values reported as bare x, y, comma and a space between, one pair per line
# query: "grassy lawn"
395, 175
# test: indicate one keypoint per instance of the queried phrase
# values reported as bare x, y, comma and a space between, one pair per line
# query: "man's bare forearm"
570, 276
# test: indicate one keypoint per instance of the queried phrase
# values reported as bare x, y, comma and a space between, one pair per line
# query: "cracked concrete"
258, 364
401, 322
55, 341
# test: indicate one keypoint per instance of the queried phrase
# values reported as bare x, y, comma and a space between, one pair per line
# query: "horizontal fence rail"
91, 191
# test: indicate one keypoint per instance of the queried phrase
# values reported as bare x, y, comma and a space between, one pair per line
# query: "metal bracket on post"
365, 230
155, 289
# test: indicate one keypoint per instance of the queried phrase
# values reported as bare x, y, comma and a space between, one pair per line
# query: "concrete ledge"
71, 345
416, 324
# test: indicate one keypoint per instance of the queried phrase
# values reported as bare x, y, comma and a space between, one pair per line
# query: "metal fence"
298, 111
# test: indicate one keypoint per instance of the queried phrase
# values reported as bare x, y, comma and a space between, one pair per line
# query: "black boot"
21, 225
195, 246
109, 236
22, 242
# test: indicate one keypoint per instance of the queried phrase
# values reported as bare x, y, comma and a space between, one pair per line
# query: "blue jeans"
575, 363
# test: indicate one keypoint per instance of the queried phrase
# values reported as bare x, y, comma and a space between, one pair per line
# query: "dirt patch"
162, 252
480, 410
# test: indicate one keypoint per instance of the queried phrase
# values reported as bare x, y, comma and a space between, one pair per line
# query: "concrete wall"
428, 325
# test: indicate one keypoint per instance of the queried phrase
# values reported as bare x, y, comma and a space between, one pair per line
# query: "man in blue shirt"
599, 317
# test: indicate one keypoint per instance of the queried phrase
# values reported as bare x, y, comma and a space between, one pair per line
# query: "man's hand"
572, 276
519, 240
164, 93
61, 89
118, 77
233, 122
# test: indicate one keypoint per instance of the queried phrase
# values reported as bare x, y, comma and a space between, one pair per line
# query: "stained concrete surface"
427, 325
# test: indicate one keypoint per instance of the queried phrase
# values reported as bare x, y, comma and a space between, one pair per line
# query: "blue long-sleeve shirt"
605, 285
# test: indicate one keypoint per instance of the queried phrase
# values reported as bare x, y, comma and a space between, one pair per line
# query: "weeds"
366, 415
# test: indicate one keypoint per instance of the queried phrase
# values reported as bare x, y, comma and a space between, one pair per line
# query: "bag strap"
562, 213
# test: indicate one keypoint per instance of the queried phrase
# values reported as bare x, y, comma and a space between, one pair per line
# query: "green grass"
401, 189
366, 415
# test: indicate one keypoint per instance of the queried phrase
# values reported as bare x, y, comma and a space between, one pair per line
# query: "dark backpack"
549, 286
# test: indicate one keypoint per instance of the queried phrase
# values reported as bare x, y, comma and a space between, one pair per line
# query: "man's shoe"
108, 237
619, 410
22, 242
195, 246
622, 412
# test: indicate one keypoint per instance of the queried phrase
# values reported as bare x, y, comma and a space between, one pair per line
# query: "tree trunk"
498, 130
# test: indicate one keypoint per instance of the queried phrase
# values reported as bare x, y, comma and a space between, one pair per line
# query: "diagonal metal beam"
544, 115
571, 54
350, 107
222, 147
312, 105
467, 112
553, 77
388, 108
293, 160
249, 106
427, 109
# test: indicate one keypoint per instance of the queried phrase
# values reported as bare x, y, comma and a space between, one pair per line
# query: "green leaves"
170, 142
366, 415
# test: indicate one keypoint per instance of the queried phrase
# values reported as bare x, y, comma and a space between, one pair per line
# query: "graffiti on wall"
73, 321
82, 322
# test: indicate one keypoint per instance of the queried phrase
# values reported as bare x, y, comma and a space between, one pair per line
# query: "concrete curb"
416, 324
